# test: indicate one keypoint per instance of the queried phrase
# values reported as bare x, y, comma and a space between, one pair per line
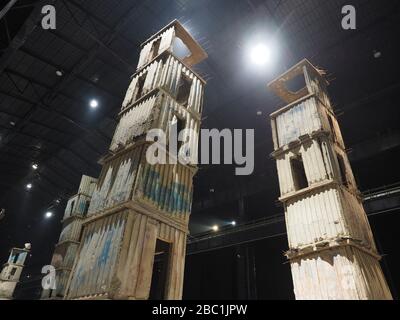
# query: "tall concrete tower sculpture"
134, 237
68, 243
331, 247
11, 273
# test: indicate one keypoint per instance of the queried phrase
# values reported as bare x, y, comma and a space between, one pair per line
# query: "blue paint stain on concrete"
103, 257
177, 193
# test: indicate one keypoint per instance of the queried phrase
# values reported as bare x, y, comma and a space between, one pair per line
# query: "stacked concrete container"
137, 204
11, 272
68, 243
331, 246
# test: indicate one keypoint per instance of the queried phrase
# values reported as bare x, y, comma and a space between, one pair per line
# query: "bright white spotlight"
94, 103
215, 228
29, 186
233, 223
35, 166
260, 54
48, 214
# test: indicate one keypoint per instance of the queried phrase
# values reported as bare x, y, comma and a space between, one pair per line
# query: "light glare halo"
261, 54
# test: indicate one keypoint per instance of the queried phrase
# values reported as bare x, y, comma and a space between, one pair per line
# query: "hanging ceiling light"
48, 214
260, 54
94, 103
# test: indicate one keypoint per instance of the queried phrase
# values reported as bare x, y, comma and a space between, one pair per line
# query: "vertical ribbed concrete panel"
331, 247
137, 208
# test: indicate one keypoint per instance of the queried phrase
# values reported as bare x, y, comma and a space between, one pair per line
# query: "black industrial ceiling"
45, 118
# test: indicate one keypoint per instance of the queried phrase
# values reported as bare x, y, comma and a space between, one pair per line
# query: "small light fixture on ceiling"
94, 103
35, 166
12, 123
29, 186
59, 73
260, 54
48, 214
233, 223
259, 113
377, 54
215, 228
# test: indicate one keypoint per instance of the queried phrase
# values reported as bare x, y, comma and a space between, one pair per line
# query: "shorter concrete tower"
12, 270
67, 246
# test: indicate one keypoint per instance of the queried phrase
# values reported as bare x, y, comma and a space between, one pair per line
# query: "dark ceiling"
45, 118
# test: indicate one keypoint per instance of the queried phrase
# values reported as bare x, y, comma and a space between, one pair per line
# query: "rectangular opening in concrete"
155, 48
342, 168
72, 207
296, 84
299, 173
12, 273
139, 86
184, 86
15, 258
332, 128
160, 270
86, 209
